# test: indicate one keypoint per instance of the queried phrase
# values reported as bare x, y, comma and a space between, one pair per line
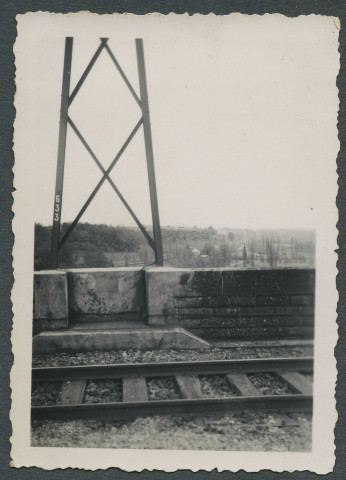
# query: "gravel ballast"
245, 431
101, 391
45, 393
216, 386
269, 384
163, 388
140, 356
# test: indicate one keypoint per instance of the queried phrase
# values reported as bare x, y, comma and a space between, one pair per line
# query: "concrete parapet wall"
87, 295
212, 303
228, 303
50, 300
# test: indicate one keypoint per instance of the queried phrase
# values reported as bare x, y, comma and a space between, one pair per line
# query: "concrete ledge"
273, 342
254, 333
88, 340
50, 295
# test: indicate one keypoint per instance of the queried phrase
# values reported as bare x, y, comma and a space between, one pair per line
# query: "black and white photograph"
175, 234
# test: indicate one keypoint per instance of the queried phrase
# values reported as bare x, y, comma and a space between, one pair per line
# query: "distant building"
244, 256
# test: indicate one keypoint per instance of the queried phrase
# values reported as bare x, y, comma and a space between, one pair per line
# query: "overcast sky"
243, 113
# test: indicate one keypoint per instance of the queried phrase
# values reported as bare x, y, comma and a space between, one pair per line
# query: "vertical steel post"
149, 152
61, 153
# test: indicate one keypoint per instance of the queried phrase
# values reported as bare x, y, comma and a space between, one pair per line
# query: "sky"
243, 115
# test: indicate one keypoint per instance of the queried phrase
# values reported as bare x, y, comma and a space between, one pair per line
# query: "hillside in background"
106, 246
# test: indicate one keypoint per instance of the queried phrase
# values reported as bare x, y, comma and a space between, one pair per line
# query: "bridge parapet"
232, 303
215, 303
62, 297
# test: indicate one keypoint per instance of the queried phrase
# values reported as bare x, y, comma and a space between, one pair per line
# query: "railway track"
135, 402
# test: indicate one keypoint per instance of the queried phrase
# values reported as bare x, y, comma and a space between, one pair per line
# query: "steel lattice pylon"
66, 100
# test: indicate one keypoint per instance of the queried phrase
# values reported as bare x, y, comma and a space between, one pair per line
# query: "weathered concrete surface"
254, 333
43, 324
50, 295
116, 339
228, 303
271, 281
164, 285
106, 290
108, 325
220, 303
245, 343
169, 289
123, 317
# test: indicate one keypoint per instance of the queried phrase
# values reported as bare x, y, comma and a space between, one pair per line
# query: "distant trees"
208, 249
86, 245
225, 254
271, 252
212, 232
105, 246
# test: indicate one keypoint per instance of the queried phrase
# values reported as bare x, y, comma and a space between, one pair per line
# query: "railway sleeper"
135, 401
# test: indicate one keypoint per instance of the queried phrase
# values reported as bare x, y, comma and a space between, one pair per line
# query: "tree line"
91, 246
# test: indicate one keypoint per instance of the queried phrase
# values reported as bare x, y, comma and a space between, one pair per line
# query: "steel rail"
86, 372
122, 411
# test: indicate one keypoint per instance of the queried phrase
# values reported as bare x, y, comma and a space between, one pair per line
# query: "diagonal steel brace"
100, 183
115, 188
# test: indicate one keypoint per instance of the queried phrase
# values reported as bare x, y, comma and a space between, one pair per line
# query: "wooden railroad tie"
135, 402
72, 392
